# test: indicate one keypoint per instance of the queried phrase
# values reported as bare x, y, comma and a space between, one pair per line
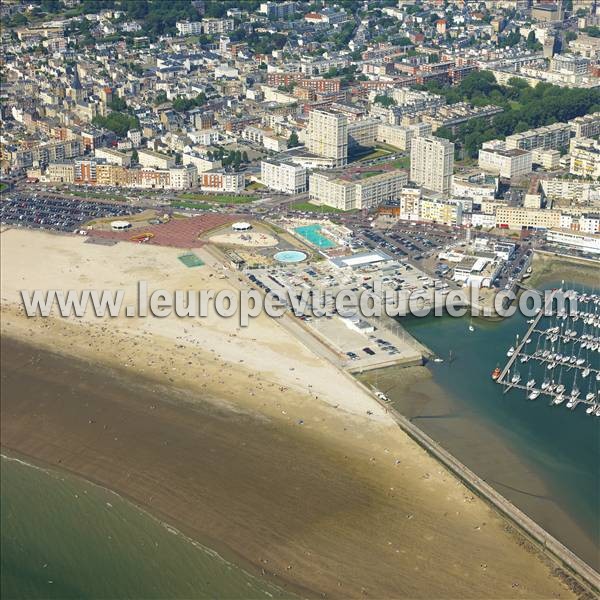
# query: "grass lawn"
374, 154
370, 174
255, 185
3, 186
218, 198
308, 207
388, 147
402, 163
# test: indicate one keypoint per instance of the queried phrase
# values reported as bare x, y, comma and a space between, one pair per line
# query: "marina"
560, 354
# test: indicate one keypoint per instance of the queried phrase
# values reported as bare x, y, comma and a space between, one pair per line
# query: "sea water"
62, 537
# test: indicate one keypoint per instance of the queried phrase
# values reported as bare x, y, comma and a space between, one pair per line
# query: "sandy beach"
242, 438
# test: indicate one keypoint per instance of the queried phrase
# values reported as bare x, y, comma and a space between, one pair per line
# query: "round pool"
290, 256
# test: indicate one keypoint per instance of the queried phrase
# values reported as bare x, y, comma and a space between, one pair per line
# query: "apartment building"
438, 211
496, 158
201, 163
410, 204
189, 27
152, 159
571, 189
149, 178
585, 223
375, 190
337, 193
349, 193
362, 132
547, 159
113, 157
321, 85
587, 126
570, 64
278, 10
285, 177
527, 218
46, 153
432, 163
478, 186
61, 172
112, 175
183, 177
585, 158
85, 171
327, 136
263, 136
555, 136
213, 26
223, 181
400, 136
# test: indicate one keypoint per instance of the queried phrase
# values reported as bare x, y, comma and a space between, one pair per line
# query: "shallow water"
62, 537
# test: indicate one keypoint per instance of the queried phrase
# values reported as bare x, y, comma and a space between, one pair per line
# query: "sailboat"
560, 388
575, 391
530, 380
516, 377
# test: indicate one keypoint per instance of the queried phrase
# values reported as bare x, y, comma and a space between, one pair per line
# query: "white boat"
524, 358
590, 409
511, 351
559, 399
531, 383
560, 388
534, 394
585, 372
515, 378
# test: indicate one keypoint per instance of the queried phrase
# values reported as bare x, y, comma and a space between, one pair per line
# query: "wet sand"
245, 441
549, 268
486, 451
313, 517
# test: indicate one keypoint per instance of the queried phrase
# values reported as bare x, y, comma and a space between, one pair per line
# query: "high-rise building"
432, 163
327, 136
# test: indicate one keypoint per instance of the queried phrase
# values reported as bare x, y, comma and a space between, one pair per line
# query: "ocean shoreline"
278, 468
236, 561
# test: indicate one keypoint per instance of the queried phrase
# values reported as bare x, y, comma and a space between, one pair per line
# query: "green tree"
293, 140
117, 104
384, 101
134, 156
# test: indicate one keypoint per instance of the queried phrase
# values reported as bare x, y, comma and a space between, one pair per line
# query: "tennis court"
190, 260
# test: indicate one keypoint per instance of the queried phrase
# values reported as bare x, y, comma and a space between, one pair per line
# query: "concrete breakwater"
587, 577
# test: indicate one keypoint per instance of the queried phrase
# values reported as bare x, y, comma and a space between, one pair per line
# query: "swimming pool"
312, 233
290, 256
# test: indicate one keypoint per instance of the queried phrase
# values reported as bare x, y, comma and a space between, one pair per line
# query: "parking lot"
44, 212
